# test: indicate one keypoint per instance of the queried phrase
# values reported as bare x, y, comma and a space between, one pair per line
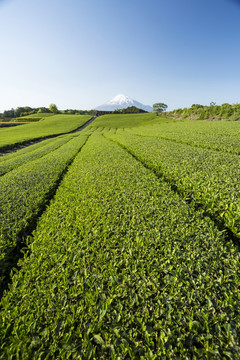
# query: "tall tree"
53, 108
159, 107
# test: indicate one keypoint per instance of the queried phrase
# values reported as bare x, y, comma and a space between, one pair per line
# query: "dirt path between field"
26, 143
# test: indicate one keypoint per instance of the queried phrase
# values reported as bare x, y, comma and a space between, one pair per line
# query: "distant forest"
129, 110
212, 112
27, 110
195, 112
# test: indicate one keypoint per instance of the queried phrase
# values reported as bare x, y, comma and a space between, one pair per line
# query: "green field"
34, 117
123, 121
122, 242
52, 125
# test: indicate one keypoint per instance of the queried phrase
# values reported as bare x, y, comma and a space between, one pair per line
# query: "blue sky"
81, 53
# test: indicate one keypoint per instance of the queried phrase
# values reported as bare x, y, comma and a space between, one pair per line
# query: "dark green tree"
159, 107
53, 108
9, 113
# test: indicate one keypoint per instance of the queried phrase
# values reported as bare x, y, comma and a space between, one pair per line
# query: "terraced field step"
15, 139
30, 153
189, 198
215, 135
204, 176
223, 149
24, 195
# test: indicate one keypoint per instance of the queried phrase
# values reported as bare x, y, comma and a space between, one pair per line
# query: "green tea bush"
122, 267
24, 193
30, 153
207, 176
52, 125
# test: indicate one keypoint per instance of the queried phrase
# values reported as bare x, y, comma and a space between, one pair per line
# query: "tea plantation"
51, 125
122, 242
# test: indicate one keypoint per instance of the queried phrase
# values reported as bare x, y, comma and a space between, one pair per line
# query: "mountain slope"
121, 102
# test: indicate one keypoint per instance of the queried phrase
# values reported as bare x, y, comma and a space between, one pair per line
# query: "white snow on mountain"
121, 102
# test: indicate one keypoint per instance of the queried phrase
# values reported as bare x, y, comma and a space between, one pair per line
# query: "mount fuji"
121, 102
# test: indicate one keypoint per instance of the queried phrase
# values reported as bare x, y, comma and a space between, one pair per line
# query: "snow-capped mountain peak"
121, 102
121, 99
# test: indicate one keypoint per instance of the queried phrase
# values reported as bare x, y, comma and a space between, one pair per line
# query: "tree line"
27, 110
211, 112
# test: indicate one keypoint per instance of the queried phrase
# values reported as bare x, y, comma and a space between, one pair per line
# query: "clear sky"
81, 53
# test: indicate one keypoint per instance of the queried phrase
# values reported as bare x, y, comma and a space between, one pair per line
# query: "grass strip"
216, 135
205, 176
30, 153
24, 193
